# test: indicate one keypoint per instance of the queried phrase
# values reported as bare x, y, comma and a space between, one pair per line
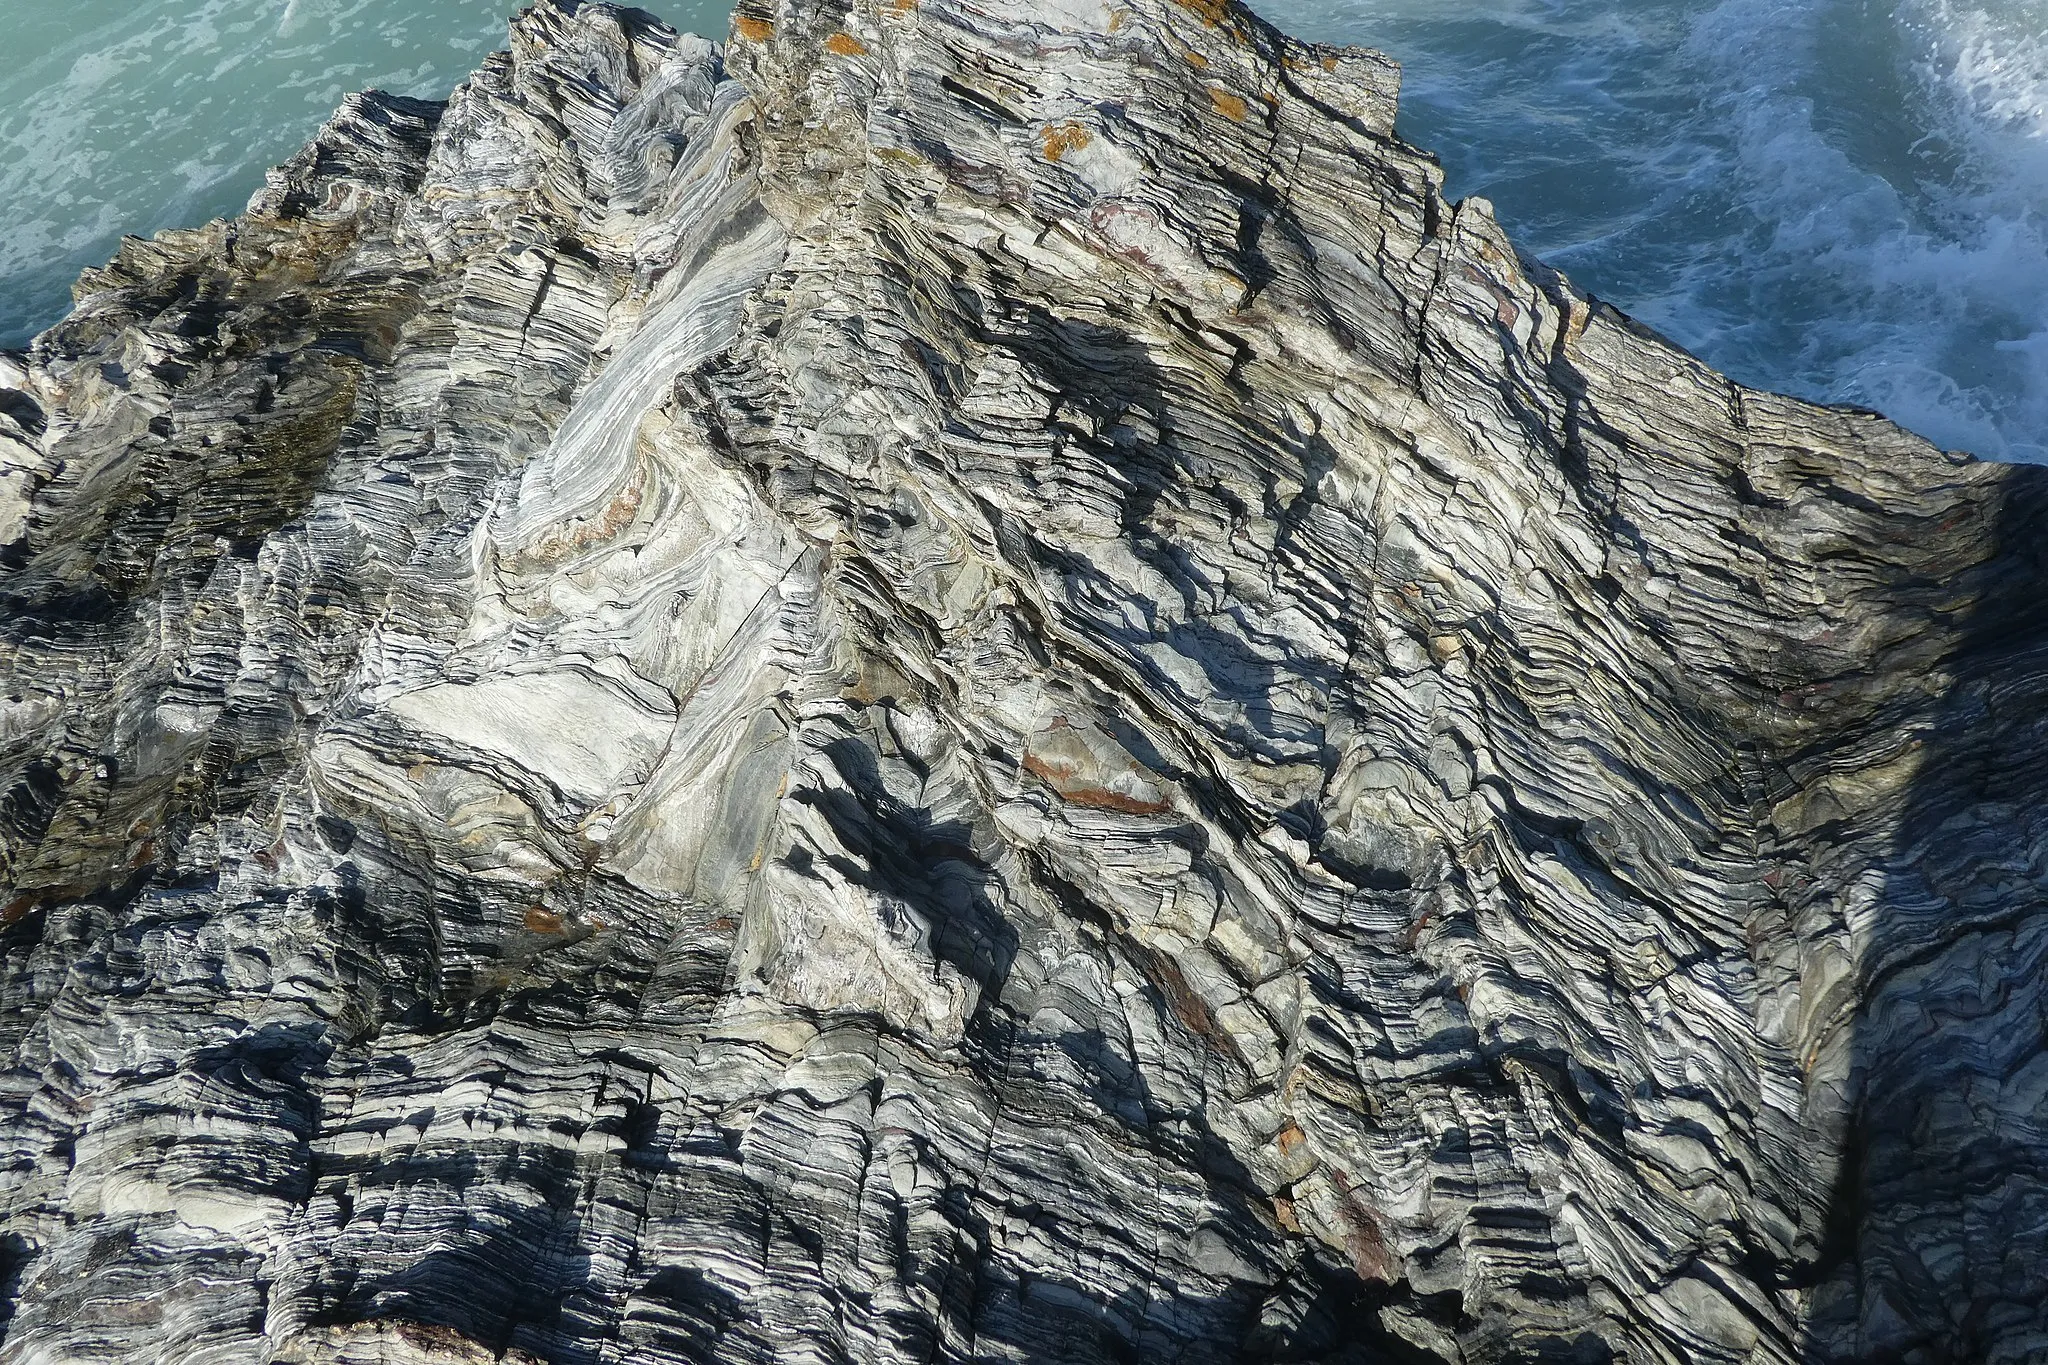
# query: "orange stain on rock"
1061, 778
846, 45
579, 536
1363, 1239
1212, 12
752, 29
543, 921
1228, 105
1060, 139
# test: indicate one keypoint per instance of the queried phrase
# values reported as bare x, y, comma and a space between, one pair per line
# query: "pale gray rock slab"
965, 680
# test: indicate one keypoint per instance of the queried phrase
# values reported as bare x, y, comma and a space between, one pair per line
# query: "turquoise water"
1844, 199
121, 116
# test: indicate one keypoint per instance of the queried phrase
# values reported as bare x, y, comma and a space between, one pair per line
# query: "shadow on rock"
1936, 1237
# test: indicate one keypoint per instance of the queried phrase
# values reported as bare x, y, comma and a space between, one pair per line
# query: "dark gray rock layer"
966, 681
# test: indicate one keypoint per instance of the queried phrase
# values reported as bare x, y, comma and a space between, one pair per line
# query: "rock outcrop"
967, 681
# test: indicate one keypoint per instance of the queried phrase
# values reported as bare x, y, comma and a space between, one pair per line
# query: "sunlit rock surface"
966, 681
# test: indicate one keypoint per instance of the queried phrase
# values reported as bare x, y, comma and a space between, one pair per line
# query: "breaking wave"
1842, 199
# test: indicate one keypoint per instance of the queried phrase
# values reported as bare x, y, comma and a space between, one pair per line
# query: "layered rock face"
967, 681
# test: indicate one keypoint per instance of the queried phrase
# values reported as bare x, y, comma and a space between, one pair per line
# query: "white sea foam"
1894, 187
1844, 199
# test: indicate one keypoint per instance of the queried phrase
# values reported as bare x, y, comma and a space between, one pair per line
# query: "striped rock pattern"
967, 681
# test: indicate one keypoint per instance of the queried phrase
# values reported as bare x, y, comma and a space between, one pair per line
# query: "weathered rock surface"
966, 681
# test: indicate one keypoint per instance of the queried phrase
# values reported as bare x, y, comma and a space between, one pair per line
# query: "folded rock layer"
967, 681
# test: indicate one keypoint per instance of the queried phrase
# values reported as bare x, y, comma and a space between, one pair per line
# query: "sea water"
1842, 199
129, 116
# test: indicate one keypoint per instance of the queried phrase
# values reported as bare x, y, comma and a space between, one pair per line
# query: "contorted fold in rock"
966, 681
